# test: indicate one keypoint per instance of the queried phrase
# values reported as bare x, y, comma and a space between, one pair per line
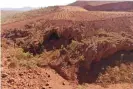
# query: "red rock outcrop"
79, 41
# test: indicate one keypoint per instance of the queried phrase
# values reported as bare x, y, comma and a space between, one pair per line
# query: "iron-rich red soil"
65, 48
105, 5
14, 77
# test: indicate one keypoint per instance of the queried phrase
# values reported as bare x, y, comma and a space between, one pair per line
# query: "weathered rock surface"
79, 42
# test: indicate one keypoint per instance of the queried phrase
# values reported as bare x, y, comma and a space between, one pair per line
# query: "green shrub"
20, 55
73, 45
20, 58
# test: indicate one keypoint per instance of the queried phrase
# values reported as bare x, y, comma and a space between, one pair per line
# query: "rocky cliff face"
91, 50
79, 43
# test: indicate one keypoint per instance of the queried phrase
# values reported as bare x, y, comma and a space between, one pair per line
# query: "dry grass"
122, 72
26, 59
19, 58
5, 15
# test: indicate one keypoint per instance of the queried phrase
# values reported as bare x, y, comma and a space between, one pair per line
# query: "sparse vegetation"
20, 58
81, 87
123, 72
21, 55
82, 46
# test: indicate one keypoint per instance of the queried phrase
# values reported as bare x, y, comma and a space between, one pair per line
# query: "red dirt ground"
74, 16
42, 78
109, 32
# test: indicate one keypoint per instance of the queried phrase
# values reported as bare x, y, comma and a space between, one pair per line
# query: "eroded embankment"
78, 47
116, 68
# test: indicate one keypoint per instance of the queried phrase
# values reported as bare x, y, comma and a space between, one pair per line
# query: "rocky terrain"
68, 47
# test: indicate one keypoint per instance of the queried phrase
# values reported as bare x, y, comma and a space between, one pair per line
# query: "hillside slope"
92, 3
105, 5
73, 13
119, 6
7, 14
81, 46
39, 12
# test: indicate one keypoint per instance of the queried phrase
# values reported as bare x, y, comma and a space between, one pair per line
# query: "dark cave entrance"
51, 41
54, 36
96, 68
54, 40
